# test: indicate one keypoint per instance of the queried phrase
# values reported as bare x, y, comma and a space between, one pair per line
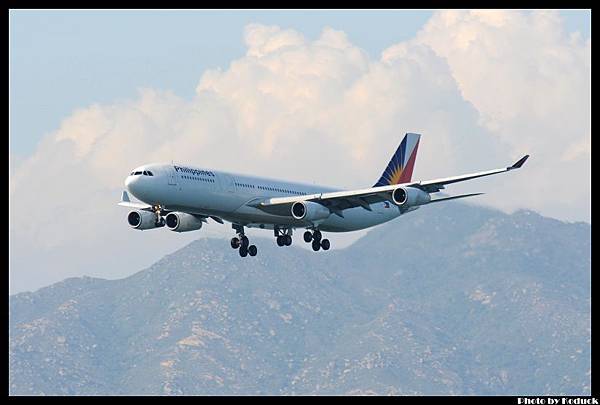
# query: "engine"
182, 222
143, 220
410, 197
309, 211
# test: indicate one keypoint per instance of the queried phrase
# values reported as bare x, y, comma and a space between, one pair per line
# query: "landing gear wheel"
316, 245
245, 242
280, 241
252, 250
287, 240
325, 244
235, 243
307, 236
317, 235
243, 251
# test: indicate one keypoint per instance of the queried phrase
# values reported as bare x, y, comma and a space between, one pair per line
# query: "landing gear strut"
160, 221
284, 236
242, 243
317, 241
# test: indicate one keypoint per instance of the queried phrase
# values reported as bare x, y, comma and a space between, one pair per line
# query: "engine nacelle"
309, 211
410, 197
143, 220
182, 222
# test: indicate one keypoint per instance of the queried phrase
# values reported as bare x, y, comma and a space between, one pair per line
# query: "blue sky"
63, 60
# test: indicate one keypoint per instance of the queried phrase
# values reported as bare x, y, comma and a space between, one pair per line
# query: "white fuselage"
206, 192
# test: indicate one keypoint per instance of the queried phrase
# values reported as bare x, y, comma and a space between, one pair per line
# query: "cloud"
319, 111
531, 85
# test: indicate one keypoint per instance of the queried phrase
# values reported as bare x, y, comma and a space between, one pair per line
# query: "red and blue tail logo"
400, 168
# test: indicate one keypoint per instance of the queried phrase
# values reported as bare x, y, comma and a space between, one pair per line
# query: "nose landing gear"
242, 243
158, 210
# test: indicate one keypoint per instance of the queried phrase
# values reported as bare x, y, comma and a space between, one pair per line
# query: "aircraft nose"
130, 183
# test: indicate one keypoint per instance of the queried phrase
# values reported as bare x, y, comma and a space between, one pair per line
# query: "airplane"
183, 197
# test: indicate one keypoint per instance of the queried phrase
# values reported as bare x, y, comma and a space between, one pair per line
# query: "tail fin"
400, 168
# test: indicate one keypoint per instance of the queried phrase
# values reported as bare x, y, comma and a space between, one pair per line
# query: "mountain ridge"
453, 299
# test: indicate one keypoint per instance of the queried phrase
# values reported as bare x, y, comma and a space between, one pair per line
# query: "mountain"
449, 299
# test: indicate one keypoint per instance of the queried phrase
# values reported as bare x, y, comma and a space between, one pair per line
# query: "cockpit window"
144, 173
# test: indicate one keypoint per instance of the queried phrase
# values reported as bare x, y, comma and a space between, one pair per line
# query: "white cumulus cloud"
530, 81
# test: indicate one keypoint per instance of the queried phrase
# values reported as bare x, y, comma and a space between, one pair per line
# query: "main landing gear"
317, 241
284, 236
242, 243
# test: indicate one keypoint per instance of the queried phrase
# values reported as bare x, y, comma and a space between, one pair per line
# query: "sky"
316, 96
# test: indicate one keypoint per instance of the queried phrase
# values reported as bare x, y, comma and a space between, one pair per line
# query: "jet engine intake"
143, 220
182, 222
309, 211
410, 197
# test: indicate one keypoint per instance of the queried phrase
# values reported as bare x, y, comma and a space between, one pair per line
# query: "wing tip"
125, 197
520, 162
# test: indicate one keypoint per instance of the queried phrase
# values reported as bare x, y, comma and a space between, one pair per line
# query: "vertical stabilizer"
400, 168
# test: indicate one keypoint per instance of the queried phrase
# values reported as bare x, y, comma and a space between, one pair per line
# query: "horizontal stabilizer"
454, 197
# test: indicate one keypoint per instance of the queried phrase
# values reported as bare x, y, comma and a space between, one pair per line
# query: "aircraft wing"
338, 201
433, 186
335, 201
126, 202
